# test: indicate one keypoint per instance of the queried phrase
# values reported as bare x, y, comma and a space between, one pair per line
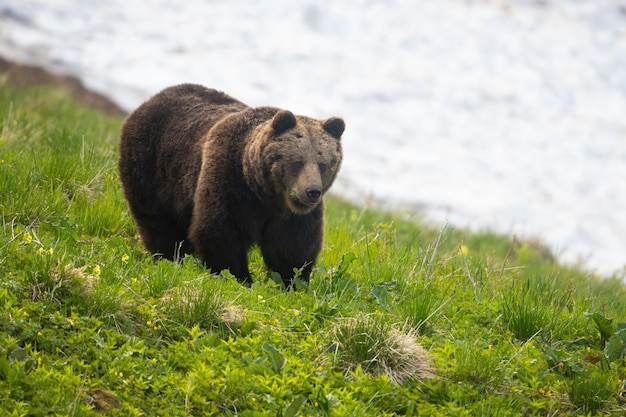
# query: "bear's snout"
313, 193
309, 188
305, 198
306, 191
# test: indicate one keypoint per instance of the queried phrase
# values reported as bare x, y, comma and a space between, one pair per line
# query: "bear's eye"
296, 166
322, 167
275, 158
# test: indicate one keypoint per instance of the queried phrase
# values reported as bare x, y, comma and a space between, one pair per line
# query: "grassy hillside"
399, 318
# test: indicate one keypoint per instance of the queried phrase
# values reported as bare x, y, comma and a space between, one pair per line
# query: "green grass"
400, 318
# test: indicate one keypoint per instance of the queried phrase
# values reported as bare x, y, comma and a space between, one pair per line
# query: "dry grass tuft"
376, 347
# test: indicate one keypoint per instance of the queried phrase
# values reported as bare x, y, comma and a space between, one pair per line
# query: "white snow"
504, 114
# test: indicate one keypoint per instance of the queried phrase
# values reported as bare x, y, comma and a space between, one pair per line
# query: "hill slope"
399, 318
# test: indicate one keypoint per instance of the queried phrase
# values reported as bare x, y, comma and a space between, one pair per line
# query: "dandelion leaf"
603, 324
276, 358
616, 345
292, 409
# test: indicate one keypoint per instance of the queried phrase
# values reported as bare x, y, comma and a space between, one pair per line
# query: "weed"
531, 307
523, 316
591, 390
420, 303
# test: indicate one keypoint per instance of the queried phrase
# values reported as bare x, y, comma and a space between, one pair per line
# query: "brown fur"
204, 173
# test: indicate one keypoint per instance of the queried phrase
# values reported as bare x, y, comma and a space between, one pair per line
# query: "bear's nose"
313, 193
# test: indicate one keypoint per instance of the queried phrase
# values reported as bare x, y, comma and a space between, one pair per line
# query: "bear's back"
160, 146
178, 113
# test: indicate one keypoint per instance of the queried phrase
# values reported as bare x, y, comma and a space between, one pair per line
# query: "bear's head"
295, 159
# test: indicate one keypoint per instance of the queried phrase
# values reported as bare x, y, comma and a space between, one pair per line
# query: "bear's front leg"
291, 246
219, 251
221, 254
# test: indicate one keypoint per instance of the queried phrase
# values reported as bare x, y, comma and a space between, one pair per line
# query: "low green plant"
523, 315
420, 304
612, 337
592, 390
482, 365
532, 307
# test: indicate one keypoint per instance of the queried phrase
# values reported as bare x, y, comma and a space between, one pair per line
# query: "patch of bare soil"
27, 75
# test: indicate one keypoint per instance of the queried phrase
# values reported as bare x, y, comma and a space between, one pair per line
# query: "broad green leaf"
19, 354
346, 259
603, 324
276, 358
292, 409
616, 346
381, 294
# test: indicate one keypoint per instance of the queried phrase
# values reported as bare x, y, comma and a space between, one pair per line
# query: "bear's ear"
335, 126
282, 121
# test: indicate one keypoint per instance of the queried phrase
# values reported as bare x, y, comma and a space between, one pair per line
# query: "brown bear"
206, 174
